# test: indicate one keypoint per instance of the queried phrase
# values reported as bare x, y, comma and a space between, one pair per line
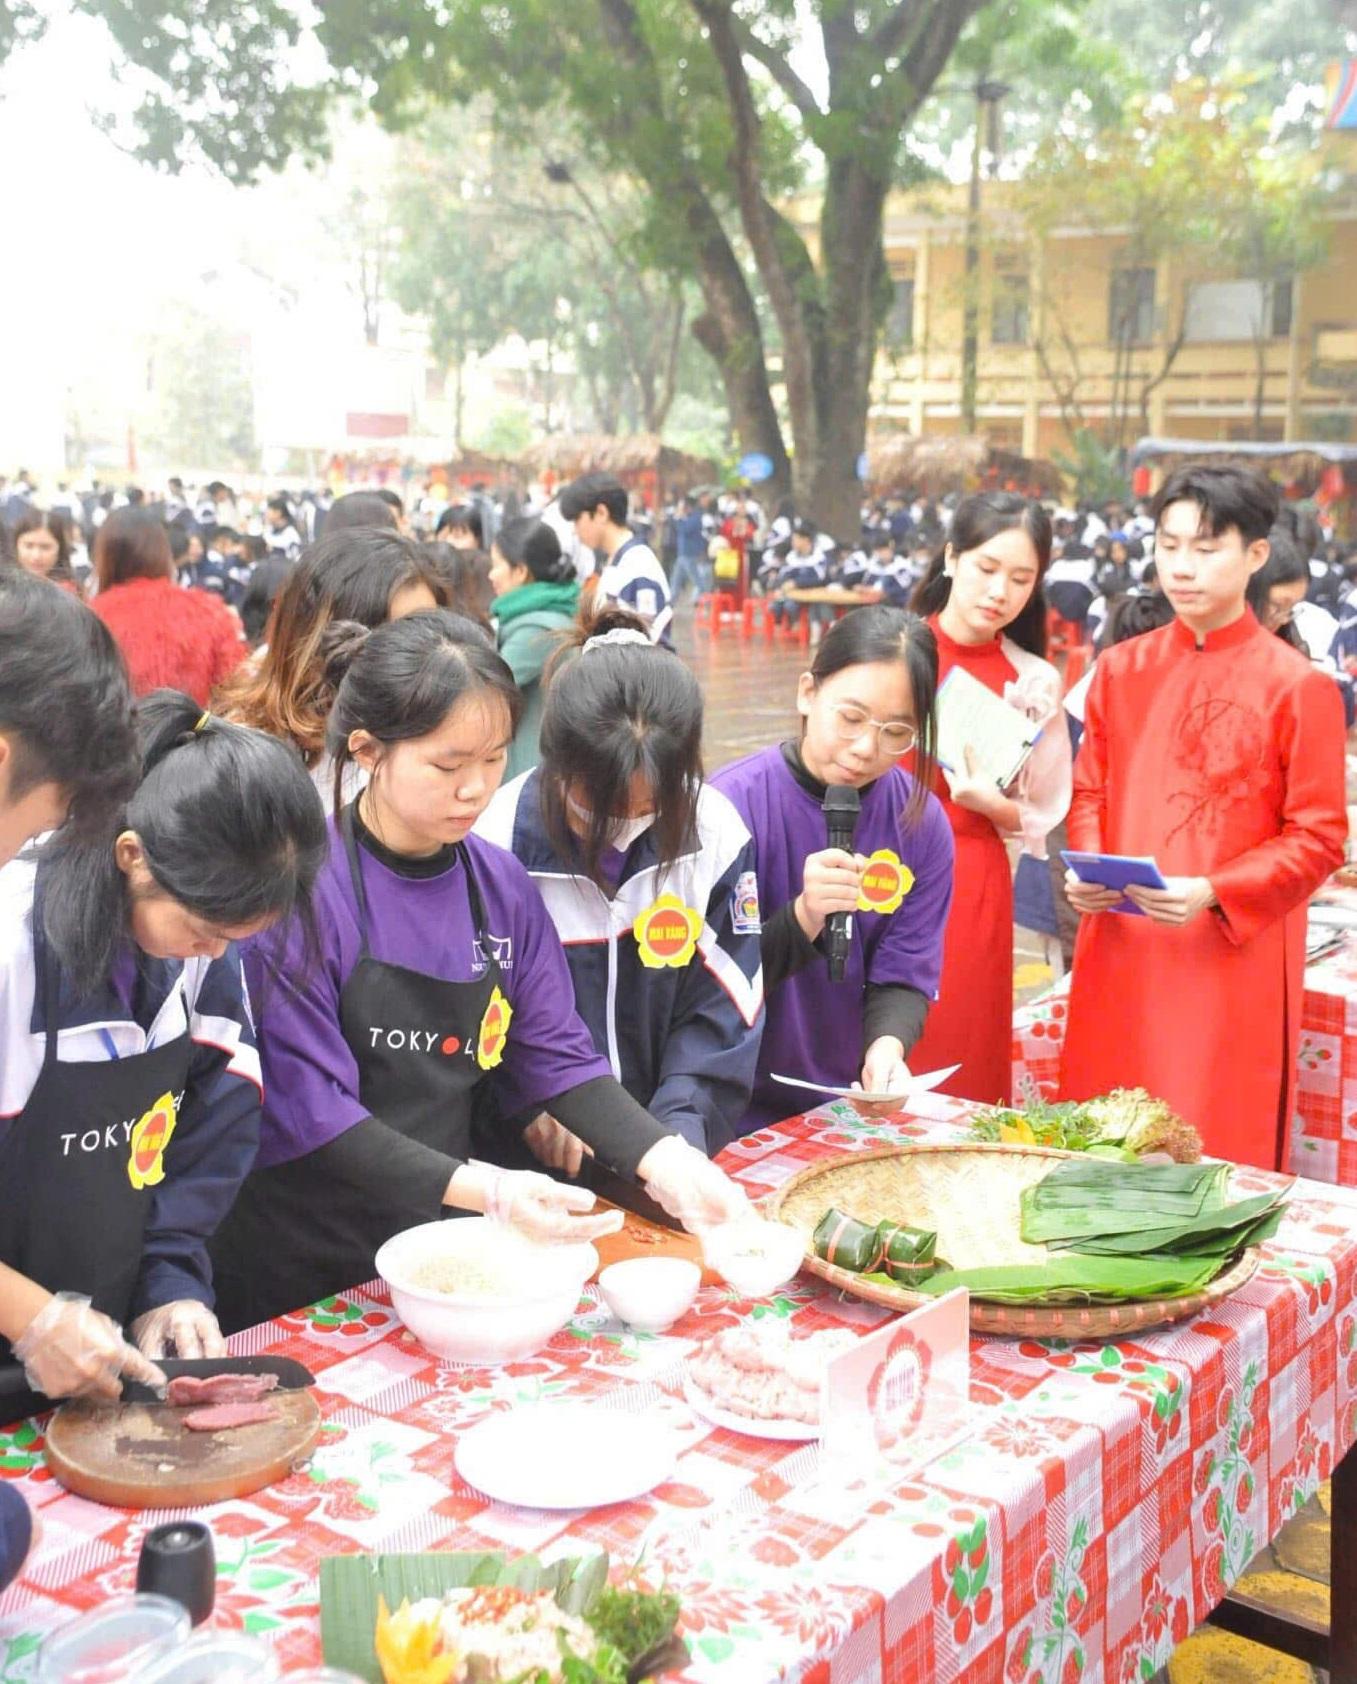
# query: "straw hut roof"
570, 454
901, 462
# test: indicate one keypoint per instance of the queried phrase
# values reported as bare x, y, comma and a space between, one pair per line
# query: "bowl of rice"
473, 1291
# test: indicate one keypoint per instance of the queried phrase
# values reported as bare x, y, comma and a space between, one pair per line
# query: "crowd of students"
294, 962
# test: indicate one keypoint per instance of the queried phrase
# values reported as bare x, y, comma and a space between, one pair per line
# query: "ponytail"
531, 543
228, 823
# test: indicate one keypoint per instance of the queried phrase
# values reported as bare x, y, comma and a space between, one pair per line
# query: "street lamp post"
987, 97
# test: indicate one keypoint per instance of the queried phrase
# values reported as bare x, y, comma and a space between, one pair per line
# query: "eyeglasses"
893, 737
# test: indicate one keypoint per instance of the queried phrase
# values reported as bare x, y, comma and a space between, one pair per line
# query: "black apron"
77, 1167
422, 1047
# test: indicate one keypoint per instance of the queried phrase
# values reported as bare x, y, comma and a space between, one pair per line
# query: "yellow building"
1084, 331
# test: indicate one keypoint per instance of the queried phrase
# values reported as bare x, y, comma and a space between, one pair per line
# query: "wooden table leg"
1336, 1648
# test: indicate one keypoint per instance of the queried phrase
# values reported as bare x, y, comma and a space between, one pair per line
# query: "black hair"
1133, 615
1285, 565
979, 518
1301, 525
466, 574
885, 633
1227, 498
360, 508
533, 544
392, 498
611, 711
228, 823
464, 515
178, 541
65, 703
281, 506
406, 677
583, 495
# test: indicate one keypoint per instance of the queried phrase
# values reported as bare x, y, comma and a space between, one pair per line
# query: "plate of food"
759, 1380
451, 1618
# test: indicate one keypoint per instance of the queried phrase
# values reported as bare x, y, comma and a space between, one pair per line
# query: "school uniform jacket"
667, 973
145, 1004
635, 578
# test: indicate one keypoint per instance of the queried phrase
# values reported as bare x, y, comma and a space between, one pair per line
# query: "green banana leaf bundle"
1090, 1196
1070, 1278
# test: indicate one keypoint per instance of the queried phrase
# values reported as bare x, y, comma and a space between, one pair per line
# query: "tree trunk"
458, 400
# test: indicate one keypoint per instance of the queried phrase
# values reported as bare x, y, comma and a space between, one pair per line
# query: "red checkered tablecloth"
1101, 1502
1324, 1129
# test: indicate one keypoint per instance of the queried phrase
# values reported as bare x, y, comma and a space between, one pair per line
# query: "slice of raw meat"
221, 1417
187, 1390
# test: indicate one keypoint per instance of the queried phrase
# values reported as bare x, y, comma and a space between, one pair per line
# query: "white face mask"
623, 832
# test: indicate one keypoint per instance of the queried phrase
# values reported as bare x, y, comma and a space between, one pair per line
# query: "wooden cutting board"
142, 1456
641, 1238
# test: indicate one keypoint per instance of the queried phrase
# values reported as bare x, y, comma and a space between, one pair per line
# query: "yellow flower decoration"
885, 882
146, 1162
494, 1031
409, 1650
666, 933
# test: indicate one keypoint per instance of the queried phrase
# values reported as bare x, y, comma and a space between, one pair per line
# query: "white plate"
566, 1456
792, 1432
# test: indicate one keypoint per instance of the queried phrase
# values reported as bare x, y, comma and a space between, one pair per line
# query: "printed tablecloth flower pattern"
1324, 1129
1100, 1504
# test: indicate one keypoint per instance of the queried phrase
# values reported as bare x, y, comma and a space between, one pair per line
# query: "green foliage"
505, 433
1094, 469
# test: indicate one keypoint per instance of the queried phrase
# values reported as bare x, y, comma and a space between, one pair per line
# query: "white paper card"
971, 714
900, 1397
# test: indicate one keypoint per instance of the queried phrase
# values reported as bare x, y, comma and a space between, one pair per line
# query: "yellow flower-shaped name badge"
150, 1137
494, 1031
885, 882
666, 933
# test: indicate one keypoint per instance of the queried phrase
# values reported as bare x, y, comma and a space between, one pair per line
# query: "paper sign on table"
971, 715
899, 1397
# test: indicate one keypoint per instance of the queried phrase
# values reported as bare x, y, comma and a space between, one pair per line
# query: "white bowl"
650, 1293
542, 1288
753, 1255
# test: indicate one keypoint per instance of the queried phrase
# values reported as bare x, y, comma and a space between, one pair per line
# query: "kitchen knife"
292, 1375
608, 1184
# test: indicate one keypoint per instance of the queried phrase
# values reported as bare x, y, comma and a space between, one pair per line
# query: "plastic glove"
552, 1144
70, 1350
687, 1184
542, 1209
184, 1328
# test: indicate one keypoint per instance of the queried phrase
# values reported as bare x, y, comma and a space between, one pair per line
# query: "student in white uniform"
129, 1079
596, 505
650, 880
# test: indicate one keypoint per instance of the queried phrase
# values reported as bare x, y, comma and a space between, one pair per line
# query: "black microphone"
840, 806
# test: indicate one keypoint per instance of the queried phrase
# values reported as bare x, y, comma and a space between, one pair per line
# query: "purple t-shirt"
813, 1026
311, 1075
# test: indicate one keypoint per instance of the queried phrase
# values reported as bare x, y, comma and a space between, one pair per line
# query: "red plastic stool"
704, 613
756, 617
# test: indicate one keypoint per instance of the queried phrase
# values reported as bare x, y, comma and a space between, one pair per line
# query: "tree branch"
934, 35
796, 90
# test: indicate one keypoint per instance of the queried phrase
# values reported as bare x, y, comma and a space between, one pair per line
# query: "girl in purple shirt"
867, 699
439, 975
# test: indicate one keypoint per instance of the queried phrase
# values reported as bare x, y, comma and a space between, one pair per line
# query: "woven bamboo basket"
971, 1196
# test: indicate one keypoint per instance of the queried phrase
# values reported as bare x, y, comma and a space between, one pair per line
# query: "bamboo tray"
970, 1195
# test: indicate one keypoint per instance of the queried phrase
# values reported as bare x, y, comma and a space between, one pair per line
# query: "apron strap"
51, 1000
346, 830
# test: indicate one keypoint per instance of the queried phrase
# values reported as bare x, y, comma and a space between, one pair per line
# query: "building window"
1130, 315
900, 321
1282, 303
1008, 317
1237, 312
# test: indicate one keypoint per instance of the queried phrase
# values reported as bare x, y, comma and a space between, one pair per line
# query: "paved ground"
750, 692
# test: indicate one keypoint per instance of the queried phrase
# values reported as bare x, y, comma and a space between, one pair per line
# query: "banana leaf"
1085, 1198
1071, 1278
351, 1584
1221, 1232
